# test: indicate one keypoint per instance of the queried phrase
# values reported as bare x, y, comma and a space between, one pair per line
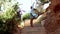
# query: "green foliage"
7, 16
26, 16
44, 1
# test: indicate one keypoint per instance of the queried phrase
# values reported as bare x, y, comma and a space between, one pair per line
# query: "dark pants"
31, 20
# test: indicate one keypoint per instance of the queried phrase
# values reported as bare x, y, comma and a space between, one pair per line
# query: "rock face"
52, 21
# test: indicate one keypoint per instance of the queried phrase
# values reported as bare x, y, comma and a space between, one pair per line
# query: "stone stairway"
37, 29
33, 30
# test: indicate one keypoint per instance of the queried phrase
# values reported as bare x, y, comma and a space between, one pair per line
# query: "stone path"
37, 29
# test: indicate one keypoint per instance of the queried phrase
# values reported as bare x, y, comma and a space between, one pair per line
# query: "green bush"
8, 19
44, 1
26, 16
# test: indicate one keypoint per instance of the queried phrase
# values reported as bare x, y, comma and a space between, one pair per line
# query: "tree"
8, 18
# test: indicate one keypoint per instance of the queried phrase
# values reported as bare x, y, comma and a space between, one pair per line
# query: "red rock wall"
52, 21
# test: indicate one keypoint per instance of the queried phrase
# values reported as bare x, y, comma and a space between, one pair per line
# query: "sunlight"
25, 4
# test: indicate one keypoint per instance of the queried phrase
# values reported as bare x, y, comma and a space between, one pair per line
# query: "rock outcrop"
52, 21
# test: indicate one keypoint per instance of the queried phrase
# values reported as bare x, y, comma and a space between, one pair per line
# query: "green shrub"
44, 1
26, 16
8, 19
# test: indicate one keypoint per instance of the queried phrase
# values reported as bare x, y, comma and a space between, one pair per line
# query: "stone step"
33, 30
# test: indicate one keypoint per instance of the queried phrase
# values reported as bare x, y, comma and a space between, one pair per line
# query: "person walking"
33, 15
